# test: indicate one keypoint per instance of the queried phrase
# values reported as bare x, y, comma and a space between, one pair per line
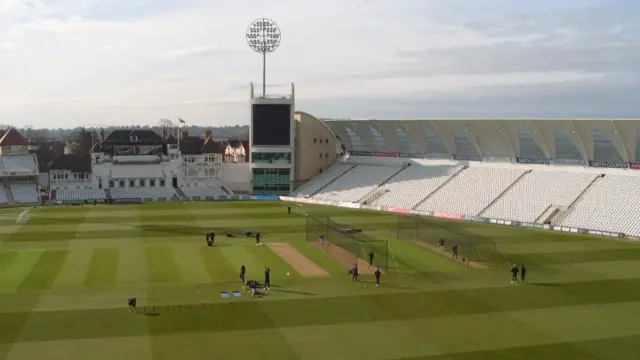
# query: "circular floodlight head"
263, 36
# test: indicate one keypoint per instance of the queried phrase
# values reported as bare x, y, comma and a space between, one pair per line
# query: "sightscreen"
271, 124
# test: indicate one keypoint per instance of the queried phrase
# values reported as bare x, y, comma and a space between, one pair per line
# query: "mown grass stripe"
19, 269
132, 264
189, 263
103, 268
75, 267
6, 259
161, 265
44, 273
239, 255
217, 265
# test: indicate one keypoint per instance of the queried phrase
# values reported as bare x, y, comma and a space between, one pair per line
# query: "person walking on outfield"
454, 251
523, 273
242, 272
371, 256
514, 273
288, 210
258, 238
378, 273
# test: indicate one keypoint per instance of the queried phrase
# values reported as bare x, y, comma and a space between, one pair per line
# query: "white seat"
202, 192
25, 193
3, 196
356, 183
535, 192
612, 203
144, 193
19, 163
414, 183
320, 181
471, 190
63, 194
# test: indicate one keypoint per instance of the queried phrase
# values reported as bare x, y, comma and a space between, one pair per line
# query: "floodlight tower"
263, 37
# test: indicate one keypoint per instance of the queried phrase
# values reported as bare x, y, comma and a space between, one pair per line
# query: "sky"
69, 63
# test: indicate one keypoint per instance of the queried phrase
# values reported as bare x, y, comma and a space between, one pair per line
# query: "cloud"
206, 50
134, 61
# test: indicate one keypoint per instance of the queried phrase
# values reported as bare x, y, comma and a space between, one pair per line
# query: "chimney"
208, 134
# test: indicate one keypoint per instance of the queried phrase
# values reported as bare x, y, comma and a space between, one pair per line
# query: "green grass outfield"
65, 277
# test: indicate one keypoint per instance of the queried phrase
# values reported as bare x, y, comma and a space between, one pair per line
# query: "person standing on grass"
242, 272
514, 273
354, 273
132, 304
213, 238
288, 210
523, 273
267, 278
454, 252
258, 238
371, 256
377, 274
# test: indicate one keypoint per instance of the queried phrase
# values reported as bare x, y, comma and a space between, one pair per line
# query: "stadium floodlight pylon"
471, 246
349, 239
263, 37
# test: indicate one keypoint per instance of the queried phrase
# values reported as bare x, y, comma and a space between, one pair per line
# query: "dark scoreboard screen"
271, 124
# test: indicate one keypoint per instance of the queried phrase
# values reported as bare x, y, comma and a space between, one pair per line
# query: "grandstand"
18, 170
79, 194
25, 193
3, 197
571, 174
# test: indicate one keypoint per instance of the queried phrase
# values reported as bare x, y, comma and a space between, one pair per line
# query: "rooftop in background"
12, 137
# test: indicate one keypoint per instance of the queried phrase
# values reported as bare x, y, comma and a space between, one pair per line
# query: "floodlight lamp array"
263, 36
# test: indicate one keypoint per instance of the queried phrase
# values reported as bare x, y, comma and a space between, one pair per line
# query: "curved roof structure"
585, 140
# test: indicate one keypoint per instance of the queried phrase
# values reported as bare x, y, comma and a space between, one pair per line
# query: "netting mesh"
348, 238
472, 246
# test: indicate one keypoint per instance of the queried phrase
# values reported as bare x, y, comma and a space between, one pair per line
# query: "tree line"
240, 132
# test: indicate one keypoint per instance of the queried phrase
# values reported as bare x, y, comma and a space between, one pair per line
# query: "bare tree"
168, 127
166, 123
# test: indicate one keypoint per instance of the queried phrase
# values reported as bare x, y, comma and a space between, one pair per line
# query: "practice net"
472, 247
326, 231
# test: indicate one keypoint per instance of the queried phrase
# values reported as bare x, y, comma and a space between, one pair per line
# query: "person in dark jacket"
378, 273
514, 273
523, 273
354, 273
